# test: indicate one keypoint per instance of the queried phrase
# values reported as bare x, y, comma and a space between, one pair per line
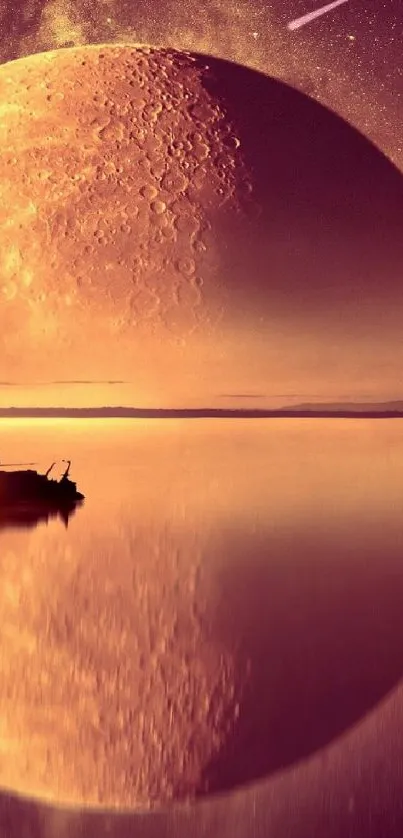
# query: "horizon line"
356, 410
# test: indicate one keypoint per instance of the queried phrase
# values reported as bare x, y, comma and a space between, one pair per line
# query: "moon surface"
122, 160
193, 227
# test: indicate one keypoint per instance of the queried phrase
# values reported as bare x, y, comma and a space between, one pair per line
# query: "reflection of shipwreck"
27, 497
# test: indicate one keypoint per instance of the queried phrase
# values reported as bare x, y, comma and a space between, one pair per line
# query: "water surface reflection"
228, 600
30, 515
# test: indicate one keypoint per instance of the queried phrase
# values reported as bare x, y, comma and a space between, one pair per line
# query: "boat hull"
30, 488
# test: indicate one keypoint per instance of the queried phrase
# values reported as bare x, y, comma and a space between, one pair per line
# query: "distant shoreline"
193, 413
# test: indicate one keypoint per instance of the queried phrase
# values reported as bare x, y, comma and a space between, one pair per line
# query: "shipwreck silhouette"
28, 497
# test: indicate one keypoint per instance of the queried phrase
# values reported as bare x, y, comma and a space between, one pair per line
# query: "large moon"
193, 227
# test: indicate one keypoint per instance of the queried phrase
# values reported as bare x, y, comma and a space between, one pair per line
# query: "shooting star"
301, 21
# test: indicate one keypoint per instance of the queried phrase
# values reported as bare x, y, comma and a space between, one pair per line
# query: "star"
298, 22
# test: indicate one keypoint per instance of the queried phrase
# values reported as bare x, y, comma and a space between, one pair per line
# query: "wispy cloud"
266, 396
61, 381
242, 396
58, 382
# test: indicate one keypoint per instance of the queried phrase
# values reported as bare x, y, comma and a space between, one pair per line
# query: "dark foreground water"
228, 600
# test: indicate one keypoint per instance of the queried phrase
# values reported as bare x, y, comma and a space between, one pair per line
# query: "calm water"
231, 590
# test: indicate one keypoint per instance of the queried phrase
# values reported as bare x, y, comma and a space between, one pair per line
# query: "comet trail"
301, 21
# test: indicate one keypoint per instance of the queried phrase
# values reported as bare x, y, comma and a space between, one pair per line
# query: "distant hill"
352, 407
373, 410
